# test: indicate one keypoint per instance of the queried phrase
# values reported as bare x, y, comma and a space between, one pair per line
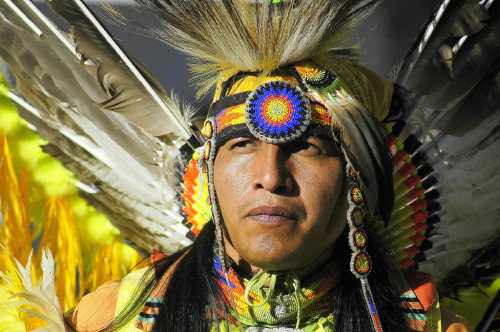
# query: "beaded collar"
270, 299
279, 311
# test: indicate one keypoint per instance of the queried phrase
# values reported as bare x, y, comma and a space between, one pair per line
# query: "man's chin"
270, 252
269, 261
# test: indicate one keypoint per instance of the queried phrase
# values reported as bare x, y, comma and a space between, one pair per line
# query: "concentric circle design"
314, 76
277, 112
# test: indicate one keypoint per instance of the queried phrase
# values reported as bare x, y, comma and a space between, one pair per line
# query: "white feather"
38, 300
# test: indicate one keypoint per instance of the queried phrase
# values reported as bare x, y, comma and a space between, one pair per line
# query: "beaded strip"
361, 263
235, 116
196, 207
414, 311
209, 132
149, 314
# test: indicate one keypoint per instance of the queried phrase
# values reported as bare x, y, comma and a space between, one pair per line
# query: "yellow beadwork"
207, 130
357, 195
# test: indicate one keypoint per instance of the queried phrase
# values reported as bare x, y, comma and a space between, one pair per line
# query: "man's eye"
242, 143
305, 147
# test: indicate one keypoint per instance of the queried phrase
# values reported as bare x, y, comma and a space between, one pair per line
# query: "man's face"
281, 204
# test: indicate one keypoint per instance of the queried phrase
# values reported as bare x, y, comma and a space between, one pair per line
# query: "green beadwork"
362, 263
360, 240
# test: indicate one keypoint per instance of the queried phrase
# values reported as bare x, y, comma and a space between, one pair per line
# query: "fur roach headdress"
225, 37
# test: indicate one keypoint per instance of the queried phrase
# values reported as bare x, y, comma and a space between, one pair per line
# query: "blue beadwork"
277, 112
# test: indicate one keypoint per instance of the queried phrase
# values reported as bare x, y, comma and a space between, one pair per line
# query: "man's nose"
271, 170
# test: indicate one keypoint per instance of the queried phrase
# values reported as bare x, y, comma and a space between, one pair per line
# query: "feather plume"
124, 93
40, 207
98, 121
454, 69
234, 35
38, 301
60, 233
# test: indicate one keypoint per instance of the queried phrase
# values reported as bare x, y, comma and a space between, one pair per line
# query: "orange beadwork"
231, 116
195, 197
320, 115
310, 72
314, 76
235, 115
277, 110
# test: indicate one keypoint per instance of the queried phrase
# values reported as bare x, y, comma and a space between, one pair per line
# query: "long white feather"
99, 122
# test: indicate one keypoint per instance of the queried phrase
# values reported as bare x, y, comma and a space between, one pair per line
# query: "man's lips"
272, 214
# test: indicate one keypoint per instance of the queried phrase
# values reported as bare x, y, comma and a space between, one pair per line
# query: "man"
299, 179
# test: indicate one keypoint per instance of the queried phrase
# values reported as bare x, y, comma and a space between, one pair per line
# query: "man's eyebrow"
321, 135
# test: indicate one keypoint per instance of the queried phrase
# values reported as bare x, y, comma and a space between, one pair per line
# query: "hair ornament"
207, 130
361, 262
358, 241
316, 77
359, 238
209, 156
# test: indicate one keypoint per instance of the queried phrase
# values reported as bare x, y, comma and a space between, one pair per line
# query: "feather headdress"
228, 36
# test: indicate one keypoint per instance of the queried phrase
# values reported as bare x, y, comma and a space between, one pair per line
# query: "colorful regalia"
278, 70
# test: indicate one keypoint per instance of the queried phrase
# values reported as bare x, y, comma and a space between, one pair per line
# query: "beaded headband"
276, 111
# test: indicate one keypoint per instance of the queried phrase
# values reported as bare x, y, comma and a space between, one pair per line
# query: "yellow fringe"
15, 231
61, 236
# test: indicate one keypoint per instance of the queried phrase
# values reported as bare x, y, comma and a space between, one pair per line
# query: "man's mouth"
272, 214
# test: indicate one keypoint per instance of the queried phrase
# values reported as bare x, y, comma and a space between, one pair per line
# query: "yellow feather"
15, 232
61, 236
114, 261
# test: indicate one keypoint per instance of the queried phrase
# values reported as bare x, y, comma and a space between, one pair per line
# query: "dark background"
385, 38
